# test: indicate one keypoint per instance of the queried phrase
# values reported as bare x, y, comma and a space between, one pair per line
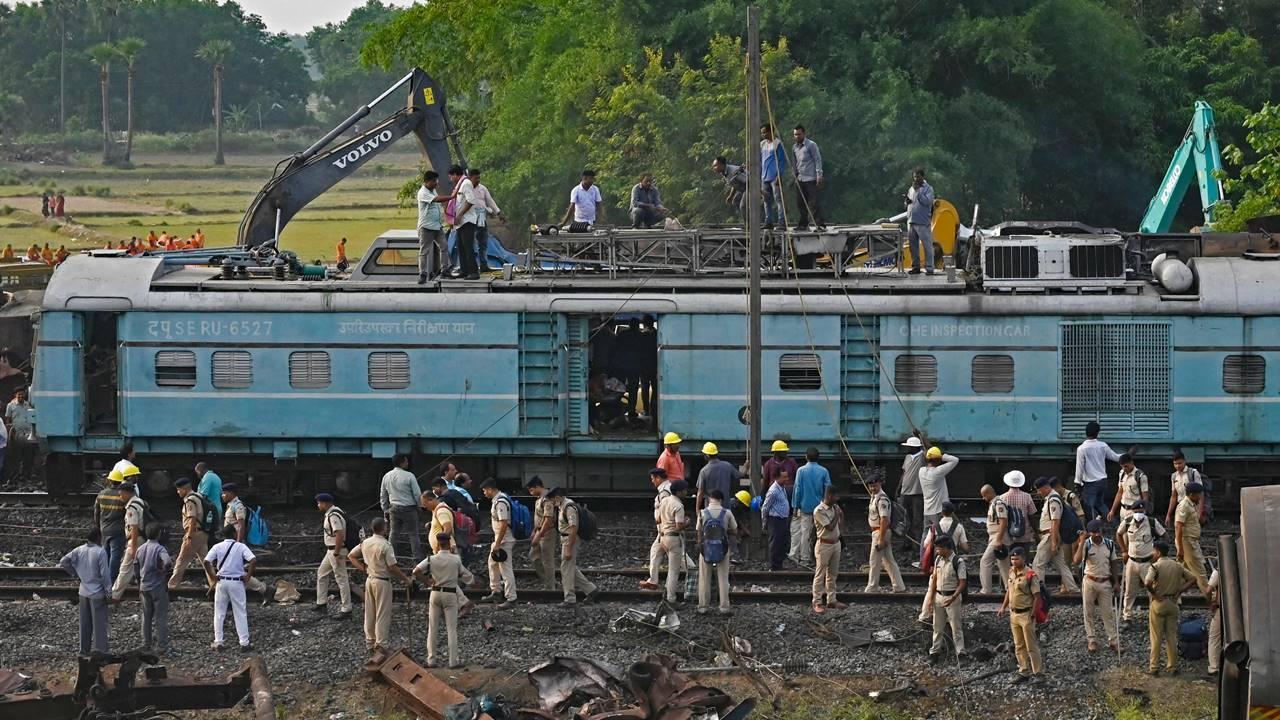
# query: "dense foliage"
334, 50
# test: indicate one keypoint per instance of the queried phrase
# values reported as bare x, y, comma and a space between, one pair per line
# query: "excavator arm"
1199, 152
305, 176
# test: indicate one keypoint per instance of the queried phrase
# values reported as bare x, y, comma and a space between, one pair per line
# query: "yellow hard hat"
671, 439
744, 497
780, 446
131, 471
115, 476
710, 449
934, 453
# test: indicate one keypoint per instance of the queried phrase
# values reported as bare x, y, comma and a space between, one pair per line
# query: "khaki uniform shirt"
191, 506
953, 527
542, 509
1132, 486
236, 514
948, 573
1169, 577
1023, 584
1097, 558
825, 522
664, 492
1180, 480
441, 521
567, 522
333, 522
1140, 537
446, 570
878, 509
670, 515
1189, 515
134, 513
378, 556
996, 512
1052, 511
500, 512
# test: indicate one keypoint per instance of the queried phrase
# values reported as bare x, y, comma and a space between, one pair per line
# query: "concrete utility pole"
754, 239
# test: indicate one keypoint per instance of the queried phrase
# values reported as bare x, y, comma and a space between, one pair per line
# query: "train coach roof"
1227, 286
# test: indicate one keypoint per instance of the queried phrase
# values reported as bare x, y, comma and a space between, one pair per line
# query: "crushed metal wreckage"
648, 690
108, 686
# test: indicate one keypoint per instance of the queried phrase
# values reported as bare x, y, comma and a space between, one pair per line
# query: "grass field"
179, 194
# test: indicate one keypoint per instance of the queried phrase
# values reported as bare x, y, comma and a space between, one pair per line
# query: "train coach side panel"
58, 390
1226, 380
319, 375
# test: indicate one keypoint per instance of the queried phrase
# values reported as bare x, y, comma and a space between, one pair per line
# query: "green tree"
215, 52
128, 49
102, 54
345, 82
1257, 188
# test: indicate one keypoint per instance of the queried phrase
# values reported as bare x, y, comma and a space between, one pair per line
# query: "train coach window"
992, 373
232, 369
800, 372
915, 373
309, 370
388, 370
176, 368
1244, 374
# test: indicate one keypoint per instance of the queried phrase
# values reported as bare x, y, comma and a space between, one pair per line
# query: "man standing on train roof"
1187, 535
646, 203
433, 247
812, 481
1051, 551
210, 486
237, 516
909, 493
933, 485
670, 459
781, 467
879, 514
717, 474
398, 498
1133, 487
662, 486
919, 200
584, 201
1183, 475
1091, 470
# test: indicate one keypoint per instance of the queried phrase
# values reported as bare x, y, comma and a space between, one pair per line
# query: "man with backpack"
947, 585
502, 574
948, 526
135, 518
339, 538
1021, 507
827, 521
1020, 598
1097, 553
568, 524
1133, 487
197, 525
879, 514
1137, 535
715, 526
230, 564
671, 525
443, 522
995, 558
1053, 546
1165, 580
1183, 475
237, 516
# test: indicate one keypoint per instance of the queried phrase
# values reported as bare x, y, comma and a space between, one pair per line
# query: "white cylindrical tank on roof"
1172, 273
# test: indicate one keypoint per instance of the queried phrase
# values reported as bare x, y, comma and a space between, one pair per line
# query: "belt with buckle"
1146, 559
232, 579
1021, 610
827, 542
1098, 579
444, 589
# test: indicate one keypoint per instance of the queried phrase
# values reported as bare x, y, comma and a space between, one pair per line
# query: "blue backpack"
521, 518
259, 532
714, 538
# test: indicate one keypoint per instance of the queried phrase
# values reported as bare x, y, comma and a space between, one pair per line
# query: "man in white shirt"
433, 248
485, 206
1091, 471
933, 483
584, 200
398, 497
467, 216
230, 564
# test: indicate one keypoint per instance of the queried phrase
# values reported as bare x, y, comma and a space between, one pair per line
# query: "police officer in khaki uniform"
996, 554
542, 543
671, 524
195, 541
135, 510
662, 486
1051, 551
570, 546
377, 559
1165, 580
1187, 534
1136, 535
442, 524
1097, 554
715, 512
237, 515
827, 520
1021, 593
946, 587
502, 574
1134, 488
879, 512
448, 576
334, 564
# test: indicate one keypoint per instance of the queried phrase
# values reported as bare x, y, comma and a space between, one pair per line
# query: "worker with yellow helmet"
717, 474
670, 460
108, 515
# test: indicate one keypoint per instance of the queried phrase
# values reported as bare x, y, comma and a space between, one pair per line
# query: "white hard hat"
913, 442
1015, 479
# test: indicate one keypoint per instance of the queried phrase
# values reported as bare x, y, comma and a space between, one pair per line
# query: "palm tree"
102, 54
216, 52
128, 50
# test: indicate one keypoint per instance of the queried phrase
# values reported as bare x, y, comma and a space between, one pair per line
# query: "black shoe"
485, 269
1021, 678
320, 609
492, 597
246, 648
914, 271
591, 596
343, 615
422, 279
472, 276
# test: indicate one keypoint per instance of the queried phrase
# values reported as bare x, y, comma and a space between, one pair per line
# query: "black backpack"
351, 537
587, 527
899, 522
459, 502
1069, 528
208, 514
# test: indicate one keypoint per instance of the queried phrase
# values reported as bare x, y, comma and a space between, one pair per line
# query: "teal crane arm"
1199, 151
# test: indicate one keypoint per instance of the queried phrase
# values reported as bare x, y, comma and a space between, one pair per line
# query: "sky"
299, 16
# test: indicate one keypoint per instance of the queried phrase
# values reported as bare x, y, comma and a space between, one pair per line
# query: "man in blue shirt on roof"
773, 160
811, 484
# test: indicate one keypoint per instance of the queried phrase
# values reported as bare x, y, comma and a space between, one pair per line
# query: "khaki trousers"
655, 559
127, 570
193, 548
1162, 623
1099, 598
827, 568
1134, 571
989, 564
442, 604
1045, 557
1025, 643
377, 613
952, 615
802, 538
571, 577
673, 547
1193, 561
543, 556
255, 585
882, 558
721, 570
1215, 641
502, 575
334, 566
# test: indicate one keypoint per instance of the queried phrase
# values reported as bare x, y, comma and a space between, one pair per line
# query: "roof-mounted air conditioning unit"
1066, 262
